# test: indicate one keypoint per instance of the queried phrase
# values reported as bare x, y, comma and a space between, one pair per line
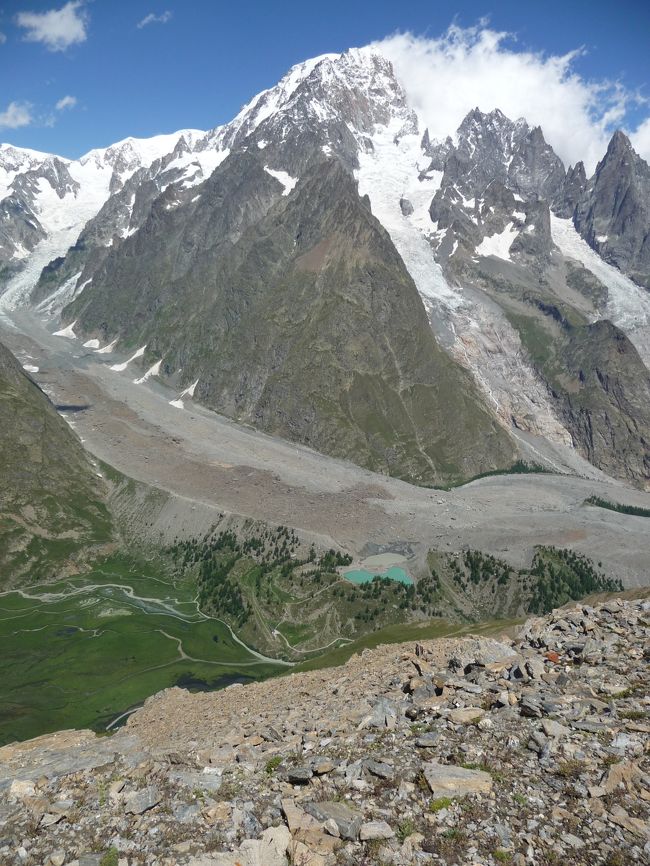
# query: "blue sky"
194, 63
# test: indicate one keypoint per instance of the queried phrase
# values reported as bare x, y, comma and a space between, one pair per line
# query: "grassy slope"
51, 502
81, 660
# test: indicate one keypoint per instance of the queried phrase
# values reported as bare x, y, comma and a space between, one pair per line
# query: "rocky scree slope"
52, 504
475, 750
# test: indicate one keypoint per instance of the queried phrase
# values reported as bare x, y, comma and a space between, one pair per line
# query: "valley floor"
83, 651
210, 464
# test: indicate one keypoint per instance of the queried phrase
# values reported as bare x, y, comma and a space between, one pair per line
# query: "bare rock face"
607, 400
534, 243
571, 192
614, 213
491, 147
535, 168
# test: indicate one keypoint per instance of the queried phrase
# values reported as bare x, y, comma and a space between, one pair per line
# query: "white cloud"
446, 77
15, 115
66, 102
57, 29
151, 18
641, 139
3, 38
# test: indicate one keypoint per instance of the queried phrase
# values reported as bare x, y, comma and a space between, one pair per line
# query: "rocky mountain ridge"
613, 213
474, 750
485, 224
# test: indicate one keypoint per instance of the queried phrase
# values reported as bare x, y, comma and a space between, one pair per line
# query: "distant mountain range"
321, 268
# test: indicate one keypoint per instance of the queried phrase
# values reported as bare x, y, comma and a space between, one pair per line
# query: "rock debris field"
467, 751
209, 465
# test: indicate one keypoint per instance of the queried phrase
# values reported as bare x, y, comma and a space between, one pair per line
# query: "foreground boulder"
451, 781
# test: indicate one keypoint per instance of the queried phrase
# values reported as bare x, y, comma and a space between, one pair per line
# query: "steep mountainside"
613, 214
51, 502
197, 252
305, 323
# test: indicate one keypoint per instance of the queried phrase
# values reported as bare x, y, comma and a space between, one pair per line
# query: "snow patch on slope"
120, 367
499, 244
67, 332
628, 306
197, 166
107, 349
154, 370
188, 392
283, 177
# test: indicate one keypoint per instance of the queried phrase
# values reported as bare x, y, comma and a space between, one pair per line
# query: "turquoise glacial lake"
363, 576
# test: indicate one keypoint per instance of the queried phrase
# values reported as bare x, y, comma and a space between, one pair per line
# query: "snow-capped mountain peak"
274, 99
484, 223
132, 153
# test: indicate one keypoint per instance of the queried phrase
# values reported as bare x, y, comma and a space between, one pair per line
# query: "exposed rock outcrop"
613, 215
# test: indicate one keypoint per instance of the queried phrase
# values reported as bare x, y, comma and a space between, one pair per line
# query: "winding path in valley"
131, 597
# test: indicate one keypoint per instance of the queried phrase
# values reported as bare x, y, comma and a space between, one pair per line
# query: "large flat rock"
446, 780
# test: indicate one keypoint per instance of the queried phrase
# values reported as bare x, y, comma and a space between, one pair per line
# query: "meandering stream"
84, 651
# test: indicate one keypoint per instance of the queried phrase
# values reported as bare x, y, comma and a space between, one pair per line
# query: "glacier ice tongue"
389, 173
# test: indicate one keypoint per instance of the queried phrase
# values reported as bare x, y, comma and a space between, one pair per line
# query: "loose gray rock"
347, 820
375, 830
446, 780
137, 802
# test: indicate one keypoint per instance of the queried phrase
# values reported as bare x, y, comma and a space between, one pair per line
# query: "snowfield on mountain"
494, 302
